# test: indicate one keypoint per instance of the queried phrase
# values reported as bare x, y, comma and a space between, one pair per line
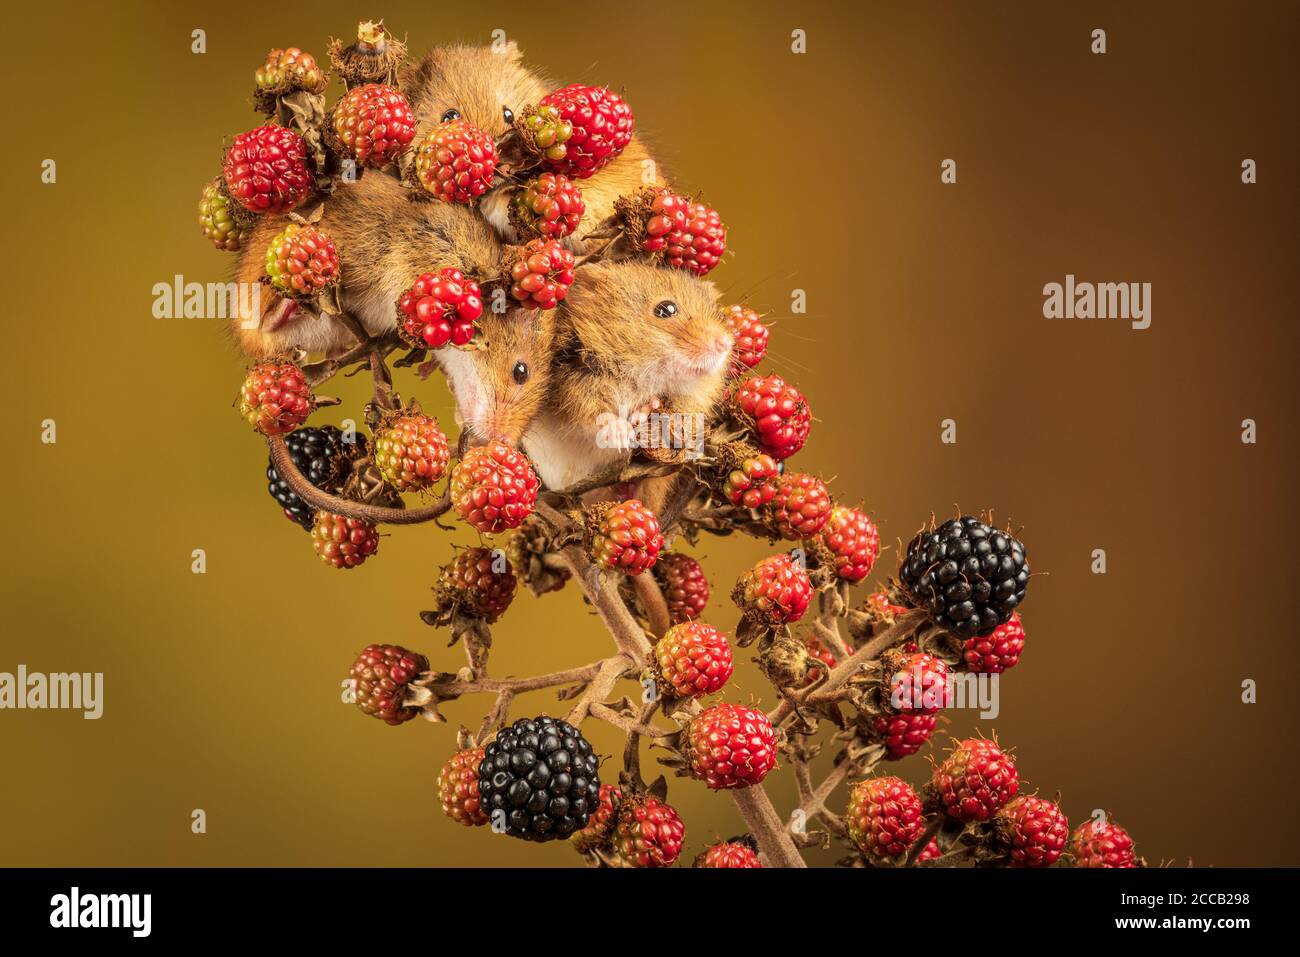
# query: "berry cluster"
952, 607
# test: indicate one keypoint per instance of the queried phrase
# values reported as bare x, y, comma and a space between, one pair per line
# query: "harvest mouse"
630, 337
384, 241
489, 88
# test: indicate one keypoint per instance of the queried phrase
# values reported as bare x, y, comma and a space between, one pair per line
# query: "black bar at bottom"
264, 905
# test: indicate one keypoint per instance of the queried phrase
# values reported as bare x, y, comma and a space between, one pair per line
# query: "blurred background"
924, 303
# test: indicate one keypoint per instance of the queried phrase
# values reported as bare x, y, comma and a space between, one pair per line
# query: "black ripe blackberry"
322, 455
968, 576
543, 774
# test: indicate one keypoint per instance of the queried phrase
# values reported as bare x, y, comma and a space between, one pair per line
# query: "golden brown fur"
615, 358
385, 239
475, 81
491, 402
480, 84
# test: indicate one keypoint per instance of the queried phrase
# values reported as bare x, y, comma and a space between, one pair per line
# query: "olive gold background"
222, 690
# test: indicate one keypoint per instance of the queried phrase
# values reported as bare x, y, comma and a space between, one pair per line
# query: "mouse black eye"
452, 114
666, 309
520, 372
508, 114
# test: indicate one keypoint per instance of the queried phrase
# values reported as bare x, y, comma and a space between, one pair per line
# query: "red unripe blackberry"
1032, 830
411, 452
600, 825
699, 244
382, 673
541, 274
904, 733
1103, 843
777, 413
628, 538
656, 214
601, 127
801, 506
884, 606
301, 261
648, 832
729, 746
343, 542
776, 591
975, 781
692, 659
473, 581
494, 488
930, 852
729, 854
373, 122
456, 161
439, 308
885, 817
854, 540
918, 682
549, 207
287, 70
266, 170
685, 588
672, 228
751, 337
753, 484
996, 652
968, 576
275, 397
458, 788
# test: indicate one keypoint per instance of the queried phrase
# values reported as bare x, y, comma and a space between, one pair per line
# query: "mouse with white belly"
630, 338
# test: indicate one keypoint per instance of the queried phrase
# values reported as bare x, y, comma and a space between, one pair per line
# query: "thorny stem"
626, 723
601, 685
496, 717
815, 802
765, 824
601, 592
632, 748
652, 603
318, 372
829, 689
681, 493
447, 687
614, 476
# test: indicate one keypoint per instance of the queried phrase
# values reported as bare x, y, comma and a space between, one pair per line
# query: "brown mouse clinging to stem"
489, 86
630, 337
